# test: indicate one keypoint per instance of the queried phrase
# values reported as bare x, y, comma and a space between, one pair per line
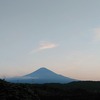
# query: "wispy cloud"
43, 45
96, 32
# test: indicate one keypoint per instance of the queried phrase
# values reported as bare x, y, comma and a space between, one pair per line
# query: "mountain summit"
43, 75
42, 72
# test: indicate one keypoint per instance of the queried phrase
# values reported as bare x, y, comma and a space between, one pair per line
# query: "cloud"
43, 45
96, 32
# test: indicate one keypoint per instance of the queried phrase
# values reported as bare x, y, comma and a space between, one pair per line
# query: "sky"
61, 35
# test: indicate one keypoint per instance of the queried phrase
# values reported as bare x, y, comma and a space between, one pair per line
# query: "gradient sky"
61, 35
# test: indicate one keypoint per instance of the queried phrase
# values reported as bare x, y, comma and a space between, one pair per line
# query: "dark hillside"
9, 91
82, 90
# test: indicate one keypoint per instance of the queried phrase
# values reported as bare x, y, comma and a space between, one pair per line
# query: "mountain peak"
44, 75
43, 68
41, 71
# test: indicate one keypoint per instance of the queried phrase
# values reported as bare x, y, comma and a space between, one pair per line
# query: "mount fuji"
42, 75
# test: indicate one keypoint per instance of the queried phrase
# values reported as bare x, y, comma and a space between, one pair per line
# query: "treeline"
82, 90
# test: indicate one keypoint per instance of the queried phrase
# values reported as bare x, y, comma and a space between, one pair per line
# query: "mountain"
42, 75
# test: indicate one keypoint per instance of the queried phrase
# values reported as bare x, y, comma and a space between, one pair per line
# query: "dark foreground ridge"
10, 91
82, 90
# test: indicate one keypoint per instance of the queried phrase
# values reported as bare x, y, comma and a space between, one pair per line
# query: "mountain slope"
43, 75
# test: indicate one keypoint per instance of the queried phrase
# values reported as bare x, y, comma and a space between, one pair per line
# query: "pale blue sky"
62, 35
